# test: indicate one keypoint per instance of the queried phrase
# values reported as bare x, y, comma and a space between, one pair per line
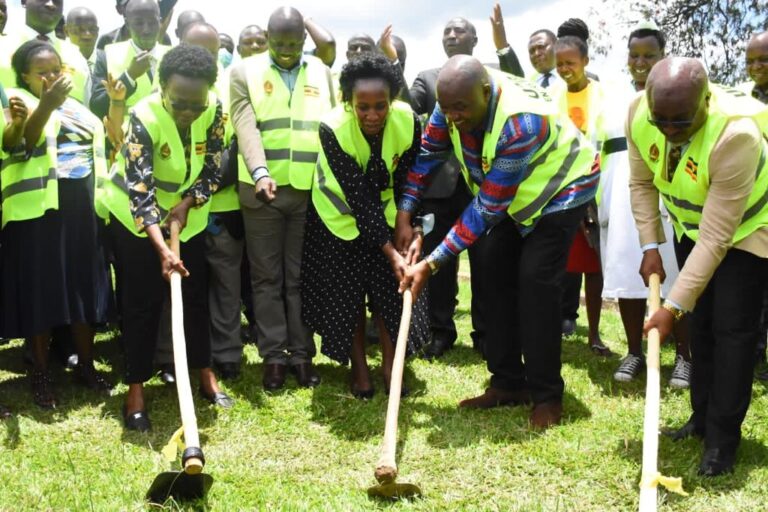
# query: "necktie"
672, 160
545, 79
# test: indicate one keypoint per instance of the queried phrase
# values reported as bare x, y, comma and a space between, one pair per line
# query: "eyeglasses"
660, 123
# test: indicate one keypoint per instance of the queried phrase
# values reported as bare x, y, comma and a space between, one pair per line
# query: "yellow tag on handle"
670, 483
174, 446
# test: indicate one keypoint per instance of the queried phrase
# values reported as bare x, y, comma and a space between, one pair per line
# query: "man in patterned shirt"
532, 175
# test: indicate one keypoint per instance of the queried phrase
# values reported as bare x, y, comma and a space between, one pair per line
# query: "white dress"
619, 240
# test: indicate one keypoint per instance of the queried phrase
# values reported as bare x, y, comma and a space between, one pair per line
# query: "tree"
716, 31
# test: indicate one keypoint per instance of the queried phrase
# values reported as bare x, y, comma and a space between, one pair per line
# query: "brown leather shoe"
274, 376
305, 374
494, 397
546, 414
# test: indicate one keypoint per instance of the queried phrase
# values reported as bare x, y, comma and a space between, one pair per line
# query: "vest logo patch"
200, 148
165, 151
486, 165
653, 153
268, 87
311, 91
692, 169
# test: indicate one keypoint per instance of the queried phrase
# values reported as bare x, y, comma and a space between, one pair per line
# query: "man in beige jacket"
701, 148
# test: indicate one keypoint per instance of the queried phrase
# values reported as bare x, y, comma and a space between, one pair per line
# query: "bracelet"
677, 314
418, 230
117, 103
432, 264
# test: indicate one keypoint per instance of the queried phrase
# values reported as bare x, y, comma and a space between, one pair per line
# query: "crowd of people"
311, 200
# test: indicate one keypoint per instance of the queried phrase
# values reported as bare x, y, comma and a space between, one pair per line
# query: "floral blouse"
139, 179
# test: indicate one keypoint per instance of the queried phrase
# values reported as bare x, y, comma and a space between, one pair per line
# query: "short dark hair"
572, 42
23, 55
551, 35
365, 66
188, 61
648, 32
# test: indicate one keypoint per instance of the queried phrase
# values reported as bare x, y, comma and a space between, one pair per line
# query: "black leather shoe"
437, 348
684, 432
138, 421
716, 461
167, 374
305, 374
568, 327
219, 399
274, 376
229, 371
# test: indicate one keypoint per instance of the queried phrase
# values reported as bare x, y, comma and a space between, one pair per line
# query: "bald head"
187, 19
253, 40
359, 44
757, 60
285, 37
203, 35
678, 97
463, 92
82, 29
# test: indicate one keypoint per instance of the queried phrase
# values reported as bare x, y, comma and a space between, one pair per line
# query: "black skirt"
336, 277
53, 267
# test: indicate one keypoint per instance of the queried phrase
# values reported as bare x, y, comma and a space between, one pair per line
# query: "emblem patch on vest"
692, 169
653, 153
486, 165
200, 148
311, 91
165, 151
268, 87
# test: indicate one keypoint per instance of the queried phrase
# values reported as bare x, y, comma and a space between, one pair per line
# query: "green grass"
316, 449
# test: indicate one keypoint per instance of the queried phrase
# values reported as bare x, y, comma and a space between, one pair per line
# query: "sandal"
42, 390
600, 350
87, 376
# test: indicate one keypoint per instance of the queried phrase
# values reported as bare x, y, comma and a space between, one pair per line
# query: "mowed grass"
316, 449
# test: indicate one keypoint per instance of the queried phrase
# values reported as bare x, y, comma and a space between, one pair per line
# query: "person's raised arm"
325, 44
508, 61
53, 95
16, 117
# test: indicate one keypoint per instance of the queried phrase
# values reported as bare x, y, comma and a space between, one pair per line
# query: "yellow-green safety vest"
225, 199
288, 121
564, 157
328, 196
29, 182
169, 167
119, 57
685, 196
73, 63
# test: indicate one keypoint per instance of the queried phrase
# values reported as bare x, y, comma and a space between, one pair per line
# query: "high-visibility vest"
73, 63
29, 182
119, 57
288, 120
327, 194
225, 199
564, 157
169, 167
685, 196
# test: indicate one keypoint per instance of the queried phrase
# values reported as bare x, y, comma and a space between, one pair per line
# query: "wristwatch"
432, 264
677, 313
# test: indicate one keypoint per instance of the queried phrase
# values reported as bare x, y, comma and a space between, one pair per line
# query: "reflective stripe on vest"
288, 120
327, 194
685, 196
29, 182
119, 57
169, 167
564, 157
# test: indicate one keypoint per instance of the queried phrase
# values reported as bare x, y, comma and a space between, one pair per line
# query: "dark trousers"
443, 287
725, 327
523, 287
142, 293
571, 295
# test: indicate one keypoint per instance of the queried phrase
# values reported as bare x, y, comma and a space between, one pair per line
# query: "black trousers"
443, 287
142, 293
725, 327
571, 295
523, 287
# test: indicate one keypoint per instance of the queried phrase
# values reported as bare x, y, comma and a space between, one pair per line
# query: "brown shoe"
546, 414
494, 397
274, 376
305, 374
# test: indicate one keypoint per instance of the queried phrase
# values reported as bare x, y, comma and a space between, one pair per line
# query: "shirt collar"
152, 52
298, 64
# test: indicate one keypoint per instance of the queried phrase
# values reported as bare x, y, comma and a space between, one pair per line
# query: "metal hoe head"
180, 486
394, 491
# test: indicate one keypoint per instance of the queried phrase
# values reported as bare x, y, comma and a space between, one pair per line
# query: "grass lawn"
316, 449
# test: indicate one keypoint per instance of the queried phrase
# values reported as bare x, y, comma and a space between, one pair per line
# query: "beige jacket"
732, 165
